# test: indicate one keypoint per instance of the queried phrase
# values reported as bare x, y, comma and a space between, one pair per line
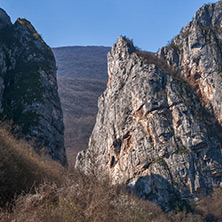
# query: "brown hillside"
21, 169
79, 103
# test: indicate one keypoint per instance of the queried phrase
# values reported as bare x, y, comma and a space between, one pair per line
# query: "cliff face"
28, 87
197, 53
158, 128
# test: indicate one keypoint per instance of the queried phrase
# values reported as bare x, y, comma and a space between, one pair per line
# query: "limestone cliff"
197, 53
158, 128
28, 87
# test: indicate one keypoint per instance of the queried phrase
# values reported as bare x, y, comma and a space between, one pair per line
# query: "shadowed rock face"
28, 87
4, 19
158, 127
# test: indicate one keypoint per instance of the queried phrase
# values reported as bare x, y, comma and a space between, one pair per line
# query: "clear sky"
150, 23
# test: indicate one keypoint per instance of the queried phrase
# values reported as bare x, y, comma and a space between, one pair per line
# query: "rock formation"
28, 87
158, 128
197, 53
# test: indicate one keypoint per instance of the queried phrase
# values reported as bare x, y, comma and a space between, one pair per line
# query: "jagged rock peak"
197, 53
123, 44
158, 125
4, 19
209, 14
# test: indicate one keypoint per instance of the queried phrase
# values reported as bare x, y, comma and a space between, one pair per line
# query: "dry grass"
78, 198
20, 168
210, 207
151, 58
81, 199
84, 199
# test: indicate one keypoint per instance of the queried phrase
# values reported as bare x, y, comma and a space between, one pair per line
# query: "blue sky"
150, 23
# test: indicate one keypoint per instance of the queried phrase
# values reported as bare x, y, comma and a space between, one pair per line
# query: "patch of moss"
184, 150
23, 87
177, 137
174, 183
31, 29
158, 160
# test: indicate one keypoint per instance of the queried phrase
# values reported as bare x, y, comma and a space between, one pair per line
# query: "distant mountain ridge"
87, 62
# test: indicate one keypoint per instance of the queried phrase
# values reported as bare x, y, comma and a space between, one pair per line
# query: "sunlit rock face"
28, 87
158, 128
197, 53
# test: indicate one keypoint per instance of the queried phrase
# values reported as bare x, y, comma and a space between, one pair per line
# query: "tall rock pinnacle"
28, 87
158, 128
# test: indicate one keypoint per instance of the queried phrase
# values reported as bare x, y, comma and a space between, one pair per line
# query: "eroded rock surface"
28, 87
197, 53
158, 128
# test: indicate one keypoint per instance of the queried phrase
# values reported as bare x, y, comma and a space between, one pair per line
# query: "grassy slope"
52, 193
20, 168
83, 198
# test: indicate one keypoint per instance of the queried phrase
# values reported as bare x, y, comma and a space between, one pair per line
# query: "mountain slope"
79, 104
84, 62
82, 76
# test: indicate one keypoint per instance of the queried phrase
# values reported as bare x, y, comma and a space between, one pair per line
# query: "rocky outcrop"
158, 127
4, 19
197, 53
28, 87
